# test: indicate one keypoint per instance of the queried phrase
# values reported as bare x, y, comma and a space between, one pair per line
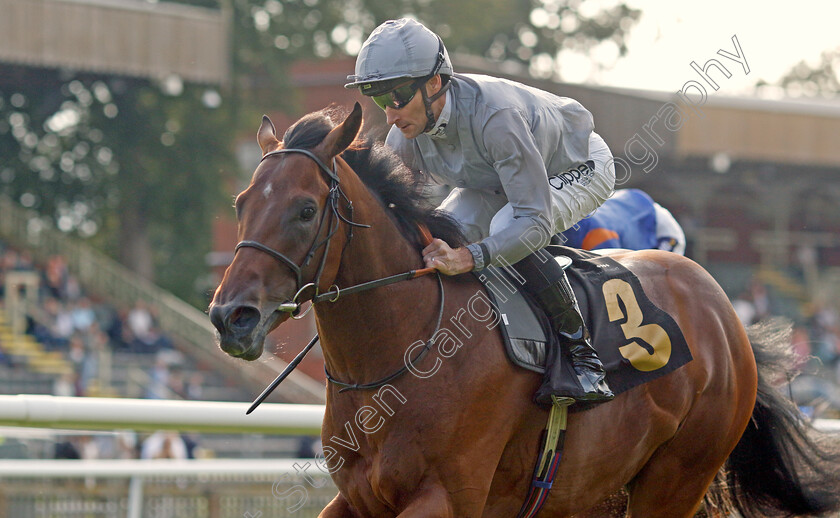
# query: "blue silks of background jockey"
628, 219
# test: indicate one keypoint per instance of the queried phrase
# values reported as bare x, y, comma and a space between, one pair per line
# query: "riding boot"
547, 282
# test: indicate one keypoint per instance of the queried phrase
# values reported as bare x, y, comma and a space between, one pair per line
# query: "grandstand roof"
122, 37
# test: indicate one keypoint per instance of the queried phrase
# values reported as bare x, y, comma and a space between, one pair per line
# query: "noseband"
335, 215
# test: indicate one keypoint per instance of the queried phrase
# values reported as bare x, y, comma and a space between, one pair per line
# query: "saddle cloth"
636, 341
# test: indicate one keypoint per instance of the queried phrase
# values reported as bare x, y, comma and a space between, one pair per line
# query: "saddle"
636, 341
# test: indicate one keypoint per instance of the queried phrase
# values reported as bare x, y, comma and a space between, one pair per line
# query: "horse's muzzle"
237, 327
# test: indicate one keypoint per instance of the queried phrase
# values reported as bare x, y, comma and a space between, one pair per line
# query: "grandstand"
73, 322
121, 365
186, 331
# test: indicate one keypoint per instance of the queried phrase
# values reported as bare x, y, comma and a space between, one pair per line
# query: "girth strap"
549, 457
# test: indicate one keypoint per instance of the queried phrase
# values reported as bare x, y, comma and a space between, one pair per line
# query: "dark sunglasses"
399, 96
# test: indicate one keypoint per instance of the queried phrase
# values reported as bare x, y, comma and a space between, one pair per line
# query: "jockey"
628, 219
525, 164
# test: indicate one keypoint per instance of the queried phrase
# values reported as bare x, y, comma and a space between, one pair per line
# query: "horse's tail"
782, 466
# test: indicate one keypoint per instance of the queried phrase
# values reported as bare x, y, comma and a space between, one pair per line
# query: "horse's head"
288, 240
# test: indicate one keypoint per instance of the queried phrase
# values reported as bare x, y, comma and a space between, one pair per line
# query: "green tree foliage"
54, 161
175, 153
821, 78
135, 167
533, 32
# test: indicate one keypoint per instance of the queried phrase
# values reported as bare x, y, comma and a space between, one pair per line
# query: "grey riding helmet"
395, 51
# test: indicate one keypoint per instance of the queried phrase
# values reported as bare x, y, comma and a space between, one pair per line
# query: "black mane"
384, 174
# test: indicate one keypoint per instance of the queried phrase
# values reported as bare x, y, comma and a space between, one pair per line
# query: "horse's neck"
374, 324
378, 251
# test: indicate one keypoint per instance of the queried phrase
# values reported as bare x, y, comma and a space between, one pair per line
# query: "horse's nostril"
244, 319
236, 319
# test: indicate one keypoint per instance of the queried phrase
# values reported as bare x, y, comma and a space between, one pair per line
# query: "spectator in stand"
162, 340
82, 314
66, 385
110, 321
760, 298
195, 387
89, 448
55, 324
56, 278
142, 336
85, 363
127, 446
68, 448
753, 304
98, 345
69, 321
52, 328
139, 320
176, 384
158, 387
164, 445
744, 308
801, 342
826, 335
62, 326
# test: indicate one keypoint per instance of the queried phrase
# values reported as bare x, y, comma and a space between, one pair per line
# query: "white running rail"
90, 413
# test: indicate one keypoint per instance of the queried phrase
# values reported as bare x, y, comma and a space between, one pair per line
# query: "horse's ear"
267, 136
342, 135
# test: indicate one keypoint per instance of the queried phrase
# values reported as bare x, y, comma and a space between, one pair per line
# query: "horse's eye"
307, 213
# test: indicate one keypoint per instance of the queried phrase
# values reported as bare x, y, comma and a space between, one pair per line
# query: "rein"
333, 295
335, 292
376, 384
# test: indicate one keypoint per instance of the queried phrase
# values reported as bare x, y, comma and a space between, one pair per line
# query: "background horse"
454, 432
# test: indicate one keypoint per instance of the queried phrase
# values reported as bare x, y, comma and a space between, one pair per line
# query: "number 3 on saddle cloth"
636, 341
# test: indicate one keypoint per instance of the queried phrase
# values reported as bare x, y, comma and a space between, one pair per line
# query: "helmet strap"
427, 102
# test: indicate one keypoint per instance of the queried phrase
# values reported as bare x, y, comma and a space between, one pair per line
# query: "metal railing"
229, 488
221, 488
93, 413
111, 281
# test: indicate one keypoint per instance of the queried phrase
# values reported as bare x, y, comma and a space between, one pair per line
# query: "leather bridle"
335, 216
293, 306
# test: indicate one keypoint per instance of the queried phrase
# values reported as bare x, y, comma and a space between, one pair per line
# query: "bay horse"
449, 429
